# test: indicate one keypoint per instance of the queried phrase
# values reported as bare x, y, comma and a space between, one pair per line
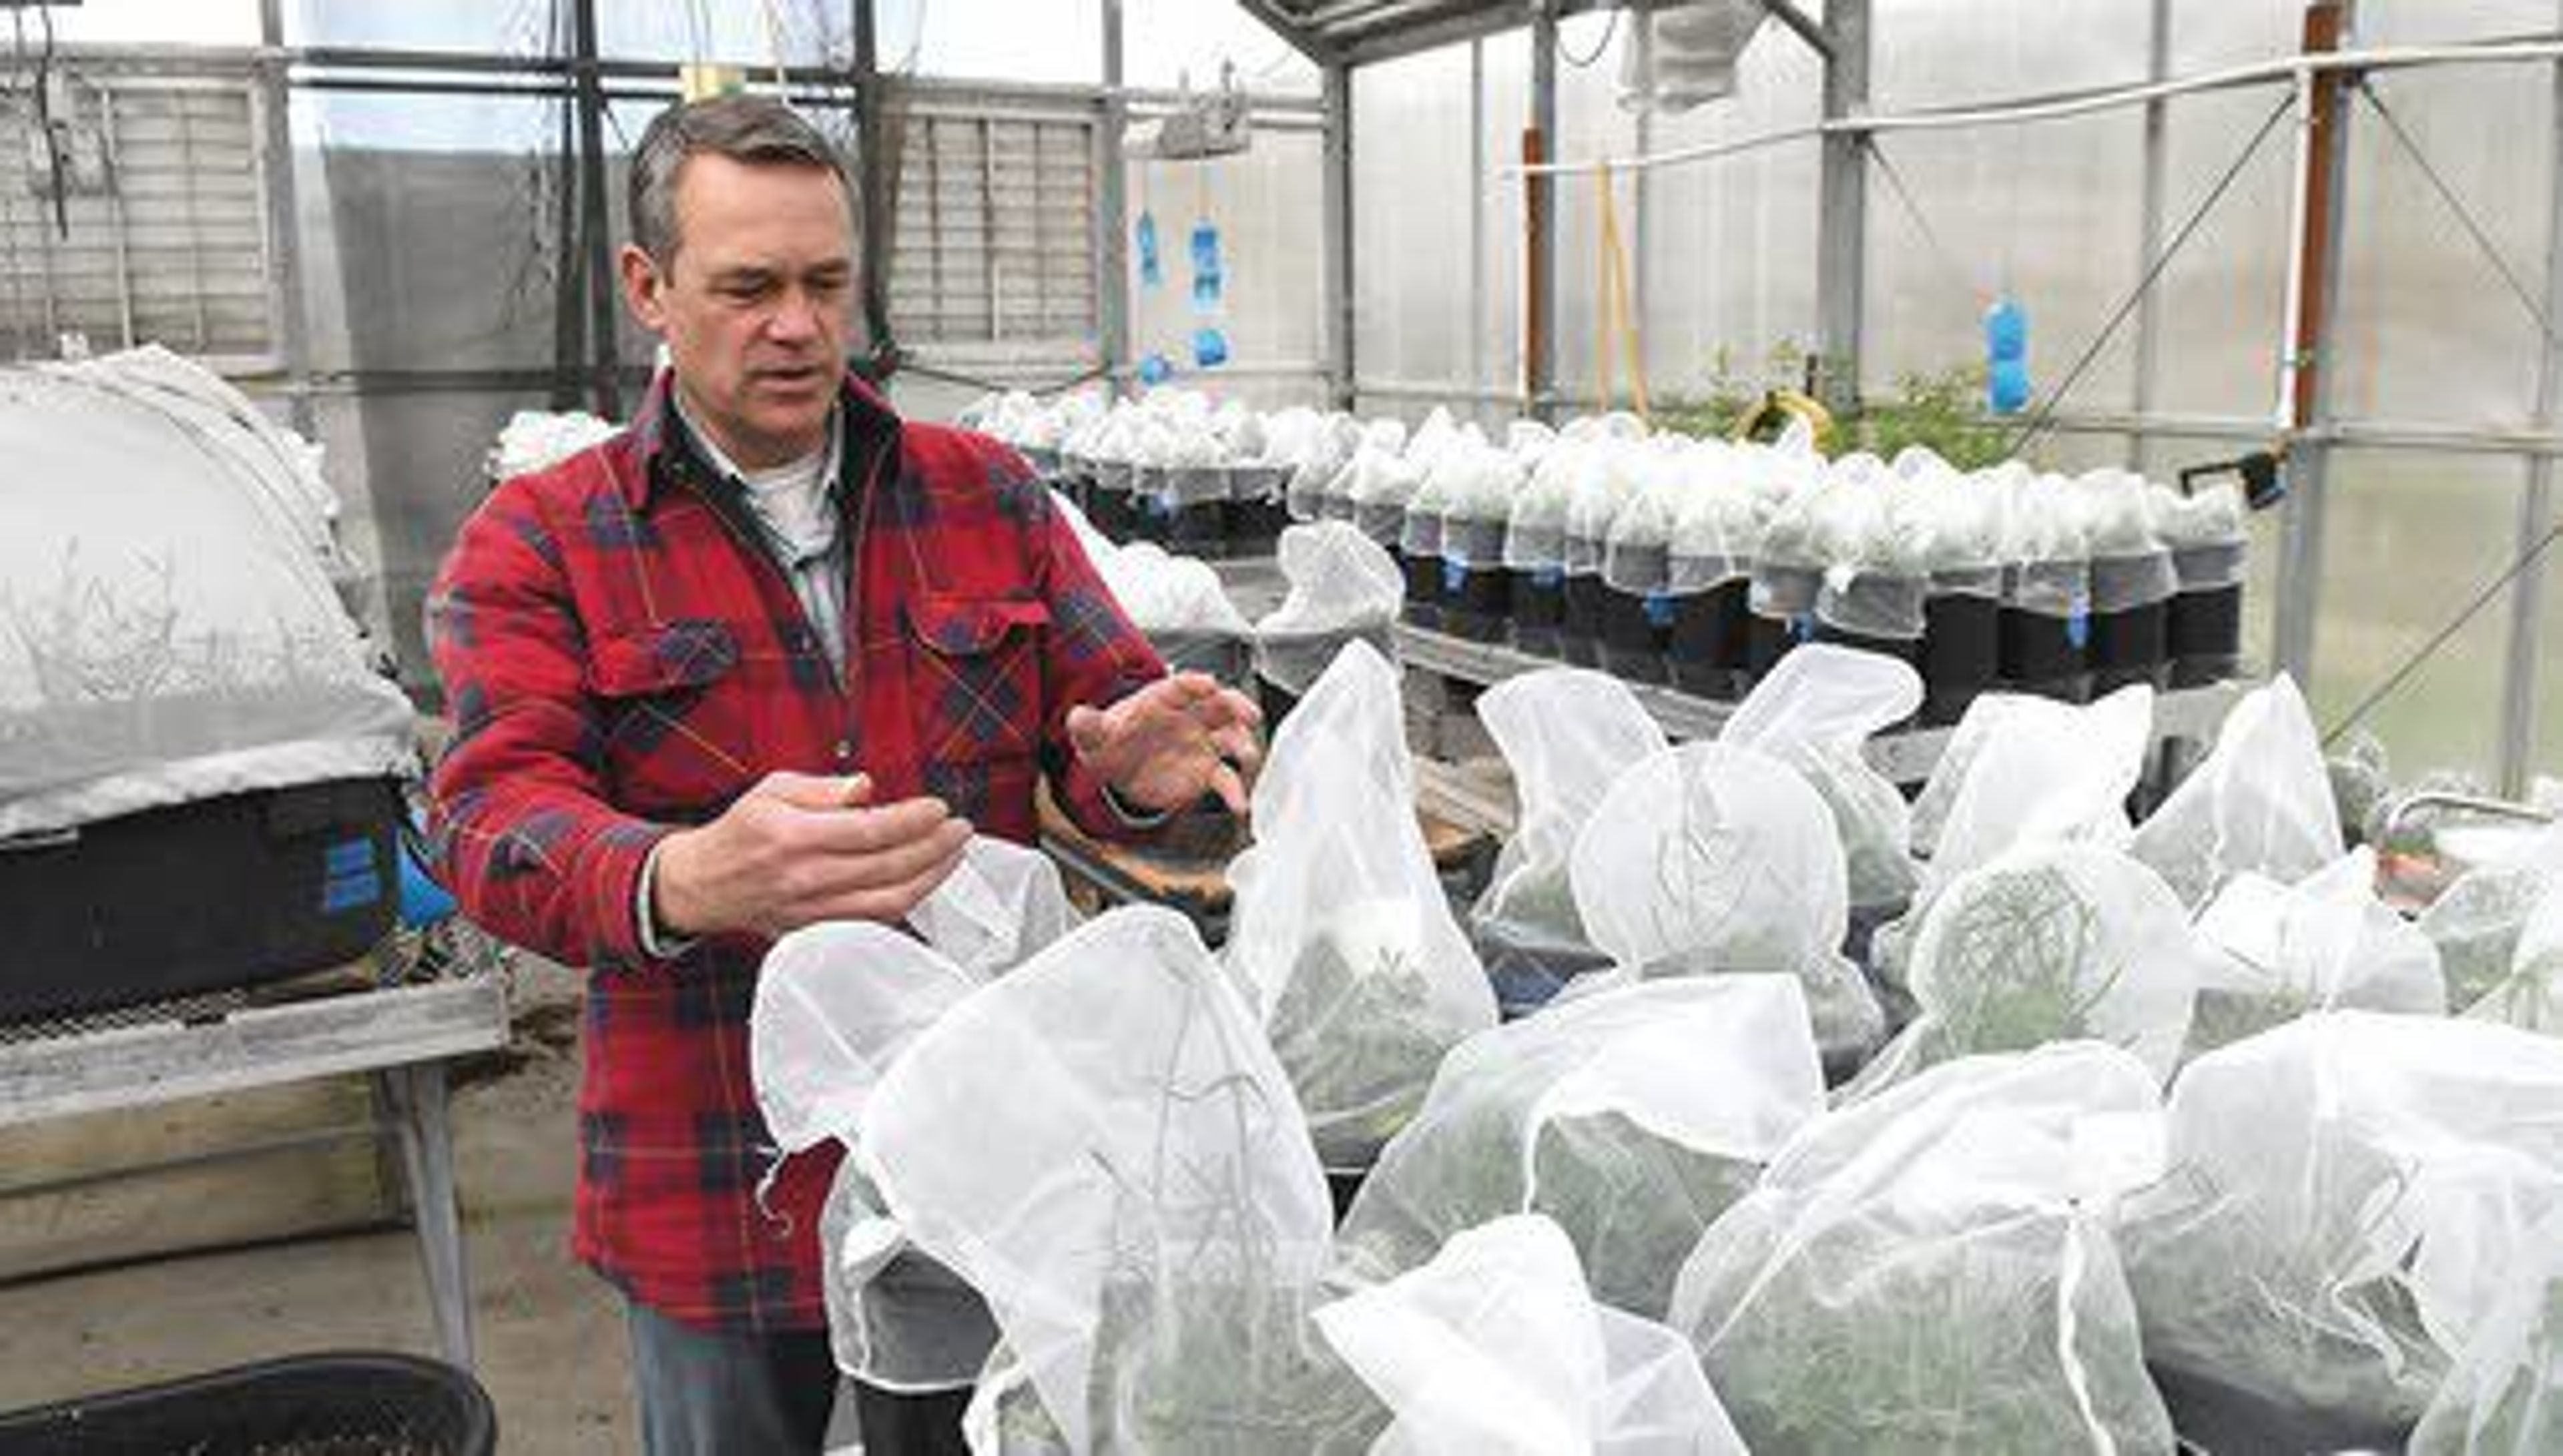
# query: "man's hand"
1165, 746
795, 850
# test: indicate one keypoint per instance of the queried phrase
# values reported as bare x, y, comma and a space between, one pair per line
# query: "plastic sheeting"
1566, 733
2049, 943
2349, 1192
1931, 1270
2323, 944
1708, 858
1340, 929
2260, 803
172, 581
1813, 712
1495, 1348
1634, 1117
1104, 1145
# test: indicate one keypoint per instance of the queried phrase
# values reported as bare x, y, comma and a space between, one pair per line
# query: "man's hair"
758, 130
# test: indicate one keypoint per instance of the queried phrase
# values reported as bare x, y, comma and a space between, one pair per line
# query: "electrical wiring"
1609, 30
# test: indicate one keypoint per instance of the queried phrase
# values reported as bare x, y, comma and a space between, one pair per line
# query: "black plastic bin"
1539, 609
1710, 650
197, 897
1961, 654
1579, 631
2225, 1420
2130, 645
1477, 587
349, 1405
1638, 619
2045, 656
2203, 633
1783, 604
1418, 563
1110, 508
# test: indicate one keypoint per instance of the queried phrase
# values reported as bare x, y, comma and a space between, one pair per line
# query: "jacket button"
845, 750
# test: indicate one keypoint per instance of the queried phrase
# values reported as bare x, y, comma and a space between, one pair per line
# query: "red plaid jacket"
621, 656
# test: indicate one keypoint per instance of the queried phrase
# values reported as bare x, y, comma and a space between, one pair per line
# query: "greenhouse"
1574, 727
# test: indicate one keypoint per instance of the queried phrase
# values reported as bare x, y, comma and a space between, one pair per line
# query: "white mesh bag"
1813, 712
2347, 1194
2324, 944
1495, 1348
1931, 1271
170, 581
2042, 770
2261, 802
1708, 858
2048, 943
2504, 1397
2477, 921
1000, 905
2530, 997
1633, 1116
1566, 733
1104, 1145
835, 1005
1342, 585
1339, 926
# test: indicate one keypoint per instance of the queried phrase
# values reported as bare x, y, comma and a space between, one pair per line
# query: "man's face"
753, 305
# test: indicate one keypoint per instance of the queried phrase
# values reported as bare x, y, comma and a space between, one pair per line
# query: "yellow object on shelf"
1767, 420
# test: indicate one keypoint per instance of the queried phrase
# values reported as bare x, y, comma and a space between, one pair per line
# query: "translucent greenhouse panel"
747, 32
2221, 299
1938, 55
500, 26
1495, 350
2546, 759
1590, 126
1055, 41
2428, 331
1730, 244
2047, 215
2409, 538
1411, 197
2206, 34
1169, 40
1269, 207
2432, 22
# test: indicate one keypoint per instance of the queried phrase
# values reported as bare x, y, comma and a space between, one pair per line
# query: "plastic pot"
1579, 633
1710, 650
1539, 609
2202, 633
2045, 654
1477, 587
1961, 653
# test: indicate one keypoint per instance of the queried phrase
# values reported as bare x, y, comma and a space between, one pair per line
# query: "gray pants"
710, 1392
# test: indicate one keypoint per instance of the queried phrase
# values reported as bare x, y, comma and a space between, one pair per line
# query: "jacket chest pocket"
675, 742
976, 675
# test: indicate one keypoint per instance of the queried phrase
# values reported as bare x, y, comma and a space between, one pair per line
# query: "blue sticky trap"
1455, 576
1155, 369
342, 892
1208, 283
1660, 610
2078, 629
1152, 268
1209, 347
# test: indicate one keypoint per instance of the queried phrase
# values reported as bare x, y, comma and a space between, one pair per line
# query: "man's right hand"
797, 850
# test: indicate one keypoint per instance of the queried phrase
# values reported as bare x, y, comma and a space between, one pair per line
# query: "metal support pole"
872, 188
1539, 240
2322, 165
2519, 687
1842, 243
2148, 340
1112, 211
607, 385
284, 221
1477, 320
1339, 203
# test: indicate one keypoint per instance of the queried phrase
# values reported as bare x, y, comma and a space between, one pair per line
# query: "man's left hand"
1165, 746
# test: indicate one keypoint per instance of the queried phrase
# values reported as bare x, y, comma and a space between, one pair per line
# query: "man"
767, 658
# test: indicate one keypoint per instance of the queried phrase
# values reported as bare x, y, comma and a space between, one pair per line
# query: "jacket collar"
664, 453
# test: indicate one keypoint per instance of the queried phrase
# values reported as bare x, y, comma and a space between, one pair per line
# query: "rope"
2044, 414
2414, 663
1608, 31
1613, 323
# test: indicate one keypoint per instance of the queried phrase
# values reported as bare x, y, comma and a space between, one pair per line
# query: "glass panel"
147, 22
2410, 537
2546, 761
1165, 41
501, 27
1053, 41
2221, 301
1412, 193
2428, 330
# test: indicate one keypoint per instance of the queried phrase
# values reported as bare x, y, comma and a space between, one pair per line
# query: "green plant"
1358, 1030
1943, 412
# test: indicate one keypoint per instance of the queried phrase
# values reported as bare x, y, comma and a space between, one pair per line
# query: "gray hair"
758, 130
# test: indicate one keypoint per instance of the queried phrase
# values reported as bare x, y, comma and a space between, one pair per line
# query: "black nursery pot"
1903, 649
1198, 529
1539, 609
1580, 633
1423, 575
1255, 525
2130, 647
1477, 587
2204, 635
1961, 653
1710, 648
2039, 656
